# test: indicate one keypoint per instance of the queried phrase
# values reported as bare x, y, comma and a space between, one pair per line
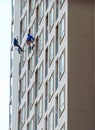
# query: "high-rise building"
53, 86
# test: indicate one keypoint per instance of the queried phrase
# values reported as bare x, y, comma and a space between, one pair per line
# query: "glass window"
40, 74
32, 65
31, 124
23, 115
62, 28
51, 51
62, 64
61, 3
31, 97
23, 85
41, 10
63, 127
41, 41
23, 56
46, 124
40, 108
61, 101
46, 96
51, 120
31, 9
23, 2
32, 29
51, 17
51, 86
31, 6
24, 24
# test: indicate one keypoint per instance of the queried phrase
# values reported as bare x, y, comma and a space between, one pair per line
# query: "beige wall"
81, 98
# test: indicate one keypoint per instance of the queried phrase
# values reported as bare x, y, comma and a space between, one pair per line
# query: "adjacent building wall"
81, 99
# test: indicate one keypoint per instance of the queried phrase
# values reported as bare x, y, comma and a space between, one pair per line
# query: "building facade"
52, 87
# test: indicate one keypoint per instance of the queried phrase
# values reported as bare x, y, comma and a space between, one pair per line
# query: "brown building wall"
81, 96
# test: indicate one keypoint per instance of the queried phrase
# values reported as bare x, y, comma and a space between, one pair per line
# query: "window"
46, 124
46, 96
51, 120
51, 51
31, 9
56, 75
41, 10
62, 64
46, 62
57, 8
41, 41
23, 110
31, 124
23, 56
40, 74
35, 116
23, 85
61, 101
23, 2
37, 14
40, 109
32, 29
62, 28
24, 24
23, 27
47, 1
63, 127
36, 50
31, 6
11, 85
46, 28
36, 83
31, 97
51, 86
31, 65
10, 113
61, 3
56, 111
56, 40
19, 120
51, 18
